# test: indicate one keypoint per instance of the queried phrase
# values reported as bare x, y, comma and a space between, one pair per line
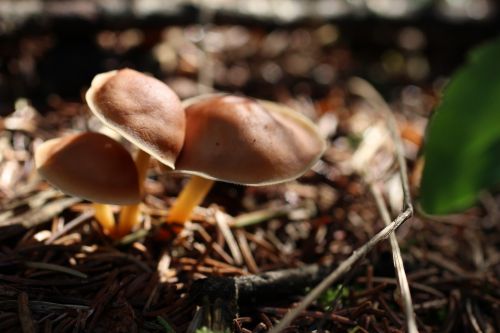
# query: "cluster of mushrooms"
211, 137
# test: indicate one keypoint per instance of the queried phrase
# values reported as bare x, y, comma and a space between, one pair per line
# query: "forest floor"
60, 273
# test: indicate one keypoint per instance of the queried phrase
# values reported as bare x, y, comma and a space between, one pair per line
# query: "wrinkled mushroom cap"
91, 166
142, 109
246, 141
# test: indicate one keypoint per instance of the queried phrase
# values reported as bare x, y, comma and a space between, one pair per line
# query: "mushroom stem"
130, 214
104, 216
191, 196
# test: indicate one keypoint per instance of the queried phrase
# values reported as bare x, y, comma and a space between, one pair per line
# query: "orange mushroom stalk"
146, 112
94, 167
242, 141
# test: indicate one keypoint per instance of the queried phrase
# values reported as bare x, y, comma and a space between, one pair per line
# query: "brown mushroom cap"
246, 141
142, 109
91, 166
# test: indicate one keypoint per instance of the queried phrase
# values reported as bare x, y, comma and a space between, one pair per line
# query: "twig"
258, 216
25, 318
133, 237
390, 312
196, 322
434, 304
216, 246
398, 263
246, 252
363, 88
472, 319
55, 268
42, 306
343, 268
415, 285
443, 262
35, 217
366, 90
70, 225
221, 220
246, 289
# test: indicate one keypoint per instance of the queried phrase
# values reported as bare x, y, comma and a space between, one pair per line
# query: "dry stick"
397, 259
69, 226
246, 252
472, 319
364, 89
221, 221
249, 288
343, 268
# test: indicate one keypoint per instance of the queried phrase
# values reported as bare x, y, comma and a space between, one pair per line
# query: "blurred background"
51, 49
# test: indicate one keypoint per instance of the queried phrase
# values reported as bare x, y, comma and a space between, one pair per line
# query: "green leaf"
462, 152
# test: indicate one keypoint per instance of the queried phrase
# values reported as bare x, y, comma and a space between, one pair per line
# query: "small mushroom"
146, 112
91, 166
243, 141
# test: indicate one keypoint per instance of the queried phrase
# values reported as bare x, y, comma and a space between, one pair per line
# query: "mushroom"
146, 112
242, 141
91, 166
